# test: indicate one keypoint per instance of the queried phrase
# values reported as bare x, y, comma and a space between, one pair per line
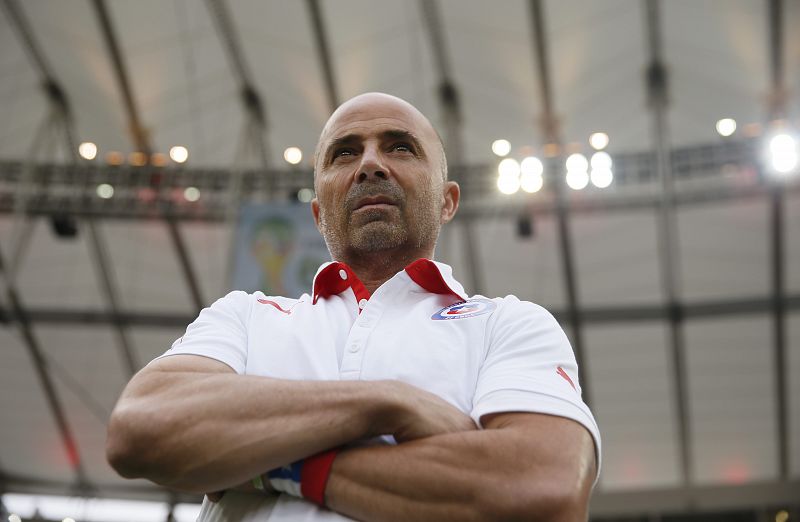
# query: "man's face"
378, 179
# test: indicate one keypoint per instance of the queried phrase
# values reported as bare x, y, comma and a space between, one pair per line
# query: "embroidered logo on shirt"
276, 305
562, 373
464, 309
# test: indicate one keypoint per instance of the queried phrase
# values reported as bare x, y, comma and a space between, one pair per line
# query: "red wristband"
314, 475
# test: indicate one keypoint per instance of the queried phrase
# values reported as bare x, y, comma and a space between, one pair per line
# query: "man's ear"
451, 195
315, 212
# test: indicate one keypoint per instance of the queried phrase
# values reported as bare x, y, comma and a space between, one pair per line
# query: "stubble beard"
370, 232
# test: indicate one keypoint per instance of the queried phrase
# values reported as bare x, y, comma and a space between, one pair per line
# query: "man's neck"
376, 268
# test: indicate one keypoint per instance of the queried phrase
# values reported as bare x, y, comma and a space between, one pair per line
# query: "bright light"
293, 155
577, 179
602, 177
531, 165
87, 150
531, 174
782, 516
508, 167
508, 184
179, 154
304, 195
191, 194
783, 149
531, 182
726, 126
781, 144
577, 162
68, 519
598, 140
114, 158
501, 147
158, 159
105, 191
14, 518
137, 159
601, 160
48, 507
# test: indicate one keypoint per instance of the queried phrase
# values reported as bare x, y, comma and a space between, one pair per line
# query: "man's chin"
377, 236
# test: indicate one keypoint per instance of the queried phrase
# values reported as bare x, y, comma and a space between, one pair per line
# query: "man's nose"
372, 165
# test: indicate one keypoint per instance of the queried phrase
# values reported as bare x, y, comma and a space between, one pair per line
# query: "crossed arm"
190, 423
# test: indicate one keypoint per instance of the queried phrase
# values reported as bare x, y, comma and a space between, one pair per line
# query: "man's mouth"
374, 202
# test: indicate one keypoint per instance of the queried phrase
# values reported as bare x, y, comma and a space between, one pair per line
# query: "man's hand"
422, 414
174, 423
522, 466
411, 414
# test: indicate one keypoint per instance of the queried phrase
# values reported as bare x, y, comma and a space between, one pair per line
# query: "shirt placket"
370, 310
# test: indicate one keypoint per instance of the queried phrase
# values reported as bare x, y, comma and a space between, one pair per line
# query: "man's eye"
342, 152
402, 147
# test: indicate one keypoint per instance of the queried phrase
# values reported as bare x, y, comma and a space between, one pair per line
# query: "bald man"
387, 393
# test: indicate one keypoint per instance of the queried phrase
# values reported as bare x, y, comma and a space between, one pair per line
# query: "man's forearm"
478, 475
205, 432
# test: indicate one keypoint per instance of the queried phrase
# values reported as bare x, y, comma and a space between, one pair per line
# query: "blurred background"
632, 165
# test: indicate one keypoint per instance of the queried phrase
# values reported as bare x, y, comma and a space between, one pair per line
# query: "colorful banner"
278, 249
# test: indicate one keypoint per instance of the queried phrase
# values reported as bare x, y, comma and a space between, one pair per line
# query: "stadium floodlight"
783, 153
598, 140
602, 177
293, 155
726, 126
87, 150
501, 147
179, 154
577, 179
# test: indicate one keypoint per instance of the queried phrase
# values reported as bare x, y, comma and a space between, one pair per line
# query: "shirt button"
353, 348
343, 274
362, 304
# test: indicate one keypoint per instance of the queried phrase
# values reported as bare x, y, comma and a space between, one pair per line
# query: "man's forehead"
376, 112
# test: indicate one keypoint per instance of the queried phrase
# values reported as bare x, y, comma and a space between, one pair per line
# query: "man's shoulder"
242, 296
242, 303
512, 303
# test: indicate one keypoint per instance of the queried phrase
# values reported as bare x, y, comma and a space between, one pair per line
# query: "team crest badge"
464, 309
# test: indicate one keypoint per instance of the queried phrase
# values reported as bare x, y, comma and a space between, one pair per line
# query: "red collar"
335, 279
426, 274
338, 277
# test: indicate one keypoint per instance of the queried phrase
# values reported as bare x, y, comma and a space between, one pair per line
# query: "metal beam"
61, 118
99, 254
643, 504
320, 35
657, 90
251, 99
552, 135
138, 132
777, 109
24, 226
56, 193
698, 500
450, 104
23, 323
779, 306
141, 140
60, 108
778, 94
25, 33
129, 490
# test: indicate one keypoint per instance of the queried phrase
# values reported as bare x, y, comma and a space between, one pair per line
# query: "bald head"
372, 106
380, 182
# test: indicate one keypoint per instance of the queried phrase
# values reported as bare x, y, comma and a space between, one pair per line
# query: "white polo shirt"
481, 355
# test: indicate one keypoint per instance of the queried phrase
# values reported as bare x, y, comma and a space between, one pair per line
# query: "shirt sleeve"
219, 332
530, 367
